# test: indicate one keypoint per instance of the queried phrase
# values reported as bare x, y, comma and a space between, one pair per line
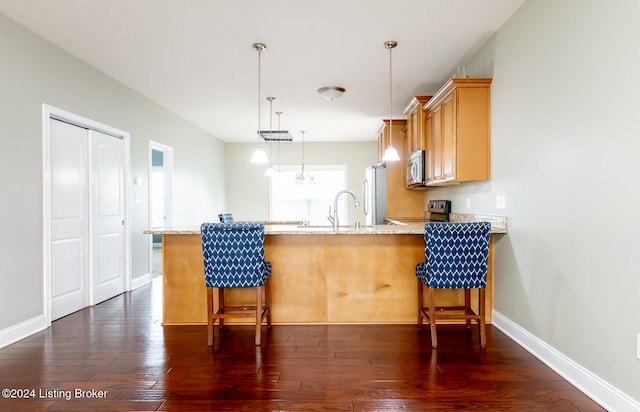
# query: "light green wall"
34, 72
565, 146
248, 188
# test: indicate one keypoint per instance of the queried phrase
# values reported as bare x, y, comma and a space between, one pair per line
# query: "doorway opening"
160, 199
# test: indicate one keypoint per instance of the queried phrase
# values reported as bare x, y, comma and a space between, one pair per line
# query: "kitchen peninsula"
320, 275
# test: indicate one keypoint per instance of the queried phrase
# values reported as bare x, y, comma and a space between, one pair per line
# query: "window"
310, 201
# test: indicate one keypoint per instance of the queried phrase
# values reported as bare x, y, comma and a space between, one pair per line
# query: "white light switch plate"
638, 345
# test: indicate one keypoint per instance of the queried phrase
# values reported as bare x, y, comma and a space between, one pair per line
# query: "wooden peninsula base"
318, 277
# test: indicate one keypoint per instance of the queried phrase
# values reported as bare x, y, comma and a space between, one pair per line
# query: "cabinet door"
383, 142
396, 172
448, 160
428, 147
413, 131
421, 140
436, 148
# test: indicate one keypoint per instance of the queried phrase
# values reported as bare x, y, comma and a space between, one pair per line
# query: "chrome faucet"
333, 215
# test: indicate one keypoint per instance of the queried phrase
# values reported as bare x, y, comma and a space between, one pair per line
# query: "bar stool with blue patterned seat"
456, 257
234, 258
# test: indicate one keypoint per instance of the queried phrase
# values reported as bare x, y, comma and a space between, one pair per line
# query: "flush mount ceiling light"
259, 156
390, 154
331, 93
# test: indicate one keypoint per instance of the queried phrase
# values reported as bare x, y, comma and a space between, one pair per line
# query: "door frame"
168, 185
51, 112
168, 190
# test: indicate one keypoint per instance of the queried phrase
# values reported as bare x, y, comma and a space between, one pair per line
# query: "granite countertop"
498, 225
408, 229
405, 229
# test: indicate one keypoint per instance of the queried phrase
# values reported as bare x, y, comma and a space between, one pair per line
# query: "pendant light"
390, 154
259, 156
270, 170
301, 178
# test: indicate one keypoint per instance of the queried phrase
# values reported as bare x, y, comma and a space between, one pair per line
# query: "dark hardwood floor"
120, 348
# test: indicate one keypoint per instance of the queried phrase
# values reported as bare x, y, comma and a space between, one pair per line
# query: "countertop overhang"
498, 225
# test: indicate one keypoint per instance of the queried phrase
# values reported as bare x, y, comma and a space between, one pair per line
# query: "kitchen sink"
330, 227
317, 226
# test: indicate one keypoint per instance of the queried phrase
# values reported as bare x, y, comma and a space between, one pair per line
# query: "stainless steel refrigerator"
374, 195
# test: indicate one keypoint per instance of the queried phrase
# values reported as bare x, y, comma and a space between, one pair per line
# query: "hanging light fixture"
259, 156
390, 154
270, 170
279, 128
301, 178
275, 135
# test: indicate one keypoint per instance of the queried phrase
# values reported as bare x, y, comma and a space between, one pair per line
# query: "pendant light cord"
279, 128
390, 154
302, 131
390, 100
259, 155
271, 99
259, 100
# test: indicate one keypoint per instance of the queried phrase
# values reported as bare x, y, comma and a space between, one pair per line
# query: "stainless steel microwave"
415, 168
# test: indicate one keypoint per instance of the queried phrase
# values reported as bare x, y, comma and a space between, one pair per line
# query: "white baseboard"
22, 330
141, 281
609, 397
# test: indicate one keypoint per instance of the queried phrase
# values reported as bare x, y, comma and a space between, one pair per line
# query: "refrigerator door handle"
365, 197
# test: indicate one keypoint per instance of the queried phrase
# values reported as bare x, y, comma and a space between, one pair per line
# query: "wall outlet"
469, 203
638, 345
501, 201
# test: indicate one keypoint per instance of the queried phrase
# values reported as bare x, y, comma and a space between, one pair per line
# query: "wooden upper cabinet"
416, 139
402, 204
457, 132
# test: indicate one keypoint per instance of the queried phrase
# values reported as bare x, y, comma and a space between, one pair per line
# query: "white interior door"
86, 230
107, 215
69, 219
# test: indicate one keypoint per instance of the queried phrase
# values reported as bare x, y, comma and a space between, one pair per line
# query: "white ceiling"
195, 57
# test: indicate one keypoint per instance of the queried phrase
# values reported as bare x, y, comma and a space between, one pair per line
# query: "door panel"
449, 138
436, 158
108, 225
68, 259
69, 224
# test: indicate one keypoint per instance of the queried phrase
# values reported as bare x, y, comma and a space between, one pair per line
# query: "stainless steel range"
439, 210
